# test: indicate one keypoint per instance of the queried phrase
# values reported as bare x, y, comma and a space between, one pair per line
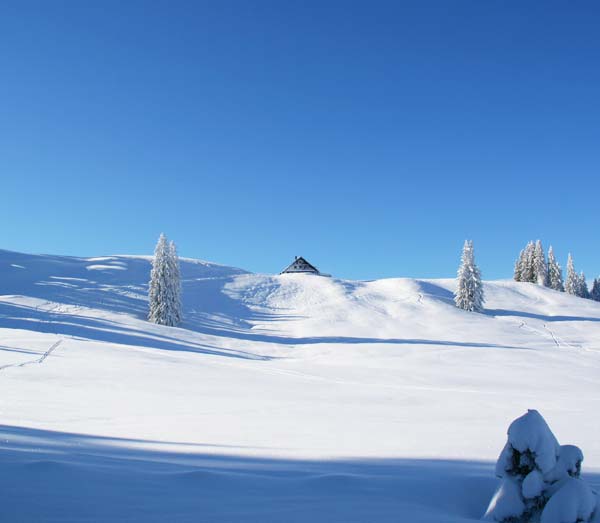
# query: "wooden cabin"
300, 265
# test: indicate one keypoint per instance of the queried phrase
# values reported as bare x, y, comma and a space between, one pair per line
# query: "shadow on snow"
523, 314
96, 329
57, 476
209, 309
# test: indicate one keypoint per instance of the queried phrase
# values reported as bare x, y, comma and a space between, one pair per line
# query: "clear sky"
370, 137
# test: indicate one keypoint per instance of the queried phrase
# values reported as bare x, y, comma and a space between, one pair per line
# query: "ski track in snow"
558, 344
41, 359
56, 309
53, 309
549, 334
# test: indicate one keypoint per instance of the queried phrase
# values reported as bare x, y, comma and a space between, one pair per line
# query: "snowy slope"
280, 398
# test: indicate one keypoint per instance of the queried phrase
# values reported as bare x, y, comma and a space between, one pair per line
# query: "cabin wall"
300, 267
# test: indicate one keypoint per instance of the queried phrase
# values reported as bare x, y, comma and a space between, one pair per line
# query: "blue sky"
370, 137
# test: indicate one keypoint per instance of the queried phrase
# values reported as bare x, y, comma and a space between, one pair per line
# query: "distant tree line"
531, 266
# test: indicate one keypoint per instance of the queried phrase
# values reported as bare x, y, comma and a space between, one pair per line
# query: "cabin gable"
300, 265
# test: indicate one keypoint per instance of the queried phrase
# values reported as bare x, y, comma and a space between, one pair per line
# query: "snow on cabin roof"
300, 265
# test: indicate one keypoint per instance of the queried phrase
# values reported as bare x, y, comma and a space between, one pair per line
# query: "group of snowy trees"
576, 283
164, 294
540, 479
531, 266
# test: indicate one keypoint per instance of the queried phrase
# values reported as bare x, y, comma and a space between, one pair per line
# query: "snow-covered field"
280, 399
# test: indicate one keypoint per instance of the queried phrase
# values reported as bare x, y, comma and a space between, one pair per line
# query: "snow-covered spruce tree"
595, 294
517, 275
469, 289
555, 279
539, 478
582, 288
527, 267
161, 288
540, 268
157, 292
175, 282
572, 283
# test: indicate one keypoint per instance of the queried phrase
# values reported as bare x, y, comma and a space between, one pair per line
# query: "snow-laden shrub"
540, 479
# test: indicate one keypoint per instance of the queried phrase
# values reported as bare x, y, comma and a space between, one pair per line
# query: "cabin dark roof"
300, 265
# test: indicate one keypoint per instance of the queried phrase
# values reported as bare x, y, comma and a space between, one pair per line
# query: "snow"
533, 485
574, 502
530, 432
569, 463
506, 503
98, 267
280, 398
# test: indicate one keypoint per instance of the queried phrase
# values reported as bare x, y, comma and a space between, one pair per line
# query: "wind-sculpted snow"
294, 368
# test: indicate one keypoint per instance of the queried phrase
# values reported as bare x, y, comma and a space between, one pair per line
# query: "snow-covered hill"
280, 398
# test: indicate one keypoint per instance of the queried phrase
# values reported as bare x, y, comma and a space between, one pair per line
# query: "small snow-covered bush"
540, 478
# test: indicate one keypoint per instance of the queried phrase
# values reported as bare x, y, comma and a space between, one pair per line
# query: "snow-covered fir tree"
469, 289
175, 280
157, 292
582, 288
162, 294
517, 275
527, 266
540, 269
572, 283
555, 279
595, 294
